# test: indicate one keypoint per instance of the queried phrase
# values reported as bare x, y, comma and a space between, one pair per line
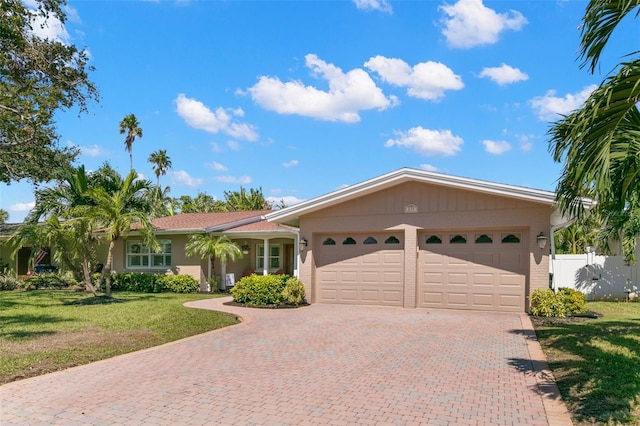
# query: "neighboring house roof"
291, 215
241, 221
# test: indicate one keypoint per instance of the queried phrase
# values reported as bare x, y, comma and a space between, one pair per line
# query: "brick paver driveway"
318, 364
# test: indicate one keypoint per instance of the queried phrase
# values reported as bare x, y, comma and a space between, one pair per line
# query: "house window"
458, 239
511, 238
370, 240
434, 239
484, 239
349, 241
329, 242
392, 240
140, 255
275, 260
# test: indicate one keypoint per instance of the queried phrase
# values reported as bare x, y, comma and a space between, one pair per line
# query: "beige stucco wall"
437, 208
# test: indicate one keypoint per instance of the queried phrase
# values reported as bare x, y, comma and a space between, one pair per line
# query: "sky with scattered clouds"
303, 98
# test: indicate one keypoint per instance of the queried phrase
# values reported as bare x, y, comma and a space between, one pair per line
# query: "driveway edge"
556, 409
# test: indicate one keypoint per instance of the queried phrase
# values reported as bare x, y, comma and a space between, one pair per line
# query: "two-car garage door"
462, 270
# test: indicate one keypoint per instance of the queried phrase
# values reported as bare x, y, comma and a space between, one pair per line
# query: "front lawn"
596, 363
45, 331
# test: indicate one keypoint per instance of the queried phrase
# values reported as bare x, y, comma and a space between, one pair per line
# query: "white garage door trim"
366, 269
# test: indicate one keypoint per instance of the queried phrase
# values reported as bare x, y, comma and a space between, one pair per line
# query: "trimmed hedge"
154, 283
546, 303
266, 290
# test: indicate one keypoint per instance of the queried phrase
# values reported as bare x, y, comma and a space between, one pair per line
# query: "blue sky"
304, 97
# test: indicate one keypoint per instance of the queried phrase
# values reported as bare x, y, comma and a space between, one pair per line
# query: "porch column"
266, 261
296, 256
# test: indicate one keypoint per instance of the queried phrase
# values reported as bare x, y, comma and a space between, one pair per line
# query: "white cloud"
22, 207
215, 147
51, 28
369, 5
550, 107
243, 180
428, 168
496, 147
526, 143
504, 74
199, 116
288, 200
234, 145
470, 23
348, 94
426, 80
93, 151
217, 166
427, 142
291, 163
183, 177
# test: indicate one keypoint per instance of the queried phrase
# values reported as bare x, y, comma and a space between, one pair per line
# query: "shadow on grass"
597, 368
22, 320
25, 335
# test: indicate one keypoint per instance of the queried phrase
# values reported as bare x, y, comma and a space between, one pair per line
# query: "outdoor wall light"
245, 248
303, 243
542, 240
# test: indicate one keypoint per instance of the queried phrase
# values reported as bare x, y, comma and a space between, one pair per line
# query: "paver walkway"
322, 364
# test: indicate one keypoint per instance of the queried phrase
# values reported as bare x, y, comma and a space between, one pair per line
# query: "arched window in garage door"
392, 240
349, 241
329, 242
370, 240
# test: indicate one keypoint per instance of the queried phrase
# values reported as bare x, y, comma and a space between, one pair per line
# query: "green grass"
596, 363
45, 331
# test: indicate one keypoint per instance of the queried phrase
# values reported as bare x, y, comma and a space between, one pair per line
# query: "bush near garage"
268, 290
547, 303
10, 282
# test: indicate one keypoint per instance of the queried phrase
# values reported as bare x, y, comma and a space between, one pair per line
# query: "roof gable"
290, 215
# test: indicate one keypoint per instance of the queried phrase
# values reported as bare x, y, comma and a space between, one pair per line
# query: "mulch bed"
572, 319
272, 306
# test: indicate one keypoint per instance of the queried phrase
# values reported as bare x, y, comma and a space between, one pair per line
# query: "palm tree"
243, 200
114, 213
58, 221
599, 143
209, 247
161, 163
131, 127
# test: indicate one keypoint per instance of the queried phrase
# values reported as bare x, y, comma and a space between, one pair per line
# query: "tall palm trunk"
106, 271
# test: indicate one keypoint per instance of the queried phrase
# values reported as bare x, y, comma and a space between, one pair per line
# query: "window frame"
136, 249
260, 257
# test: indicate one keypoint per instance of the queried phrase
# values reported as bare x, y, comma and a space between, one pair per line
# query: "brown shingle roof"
201, 221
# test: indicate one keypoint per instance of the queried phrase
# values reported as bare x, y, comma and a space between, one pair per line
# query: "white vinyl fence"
598, 277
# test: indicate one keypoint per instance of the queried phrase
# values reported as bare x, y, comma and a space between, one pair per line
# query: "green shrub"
180, 283
545, 303
137, 282
259, 289
10, 282
293, 292
49, 281
573, 300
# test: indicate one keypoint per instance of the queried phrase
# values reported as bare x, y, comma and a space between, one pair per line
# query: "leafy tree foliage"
243, 200
599, 144
4, 216
210, 247
203, 203
38, 77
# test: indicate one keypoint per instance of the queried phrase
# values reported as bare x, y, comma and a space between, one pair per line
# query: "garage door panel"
370, 277
483, 279
392, 277
483, 300
329, 294
457, 279
483, 275
348, 277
